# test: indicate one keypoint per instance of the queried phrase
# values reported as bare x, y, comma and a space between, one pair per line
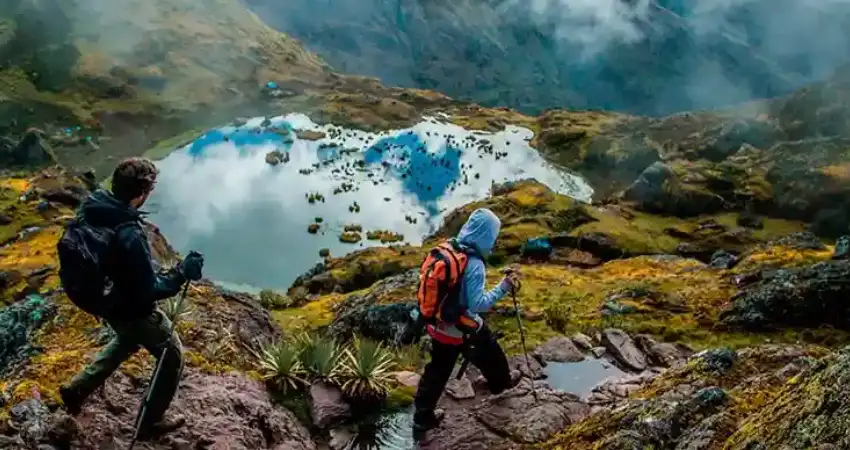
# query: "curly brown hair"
133, 178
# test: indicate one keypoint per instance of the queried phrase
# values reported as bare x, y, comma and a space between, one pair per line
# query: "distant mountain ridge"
500, 53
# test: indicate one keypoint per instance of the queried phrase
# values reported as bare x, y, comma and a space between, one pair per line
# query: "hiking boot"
161, 428
428, 421
71, 400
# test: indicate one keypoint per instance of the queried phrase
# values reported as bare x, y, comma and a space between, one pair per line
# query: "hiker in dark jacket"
136, 286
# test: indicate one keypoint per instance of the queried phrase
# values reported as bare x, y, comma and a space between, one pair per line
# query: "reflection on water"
579, 378
392, 431
218, 195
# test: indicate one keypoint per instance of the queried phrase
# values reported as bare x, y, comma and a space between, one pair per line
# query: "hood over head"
101, 209
480, 231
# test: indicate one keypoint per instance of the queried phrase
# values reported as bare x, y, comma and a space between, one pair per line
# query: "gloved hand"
511, 281
192, 266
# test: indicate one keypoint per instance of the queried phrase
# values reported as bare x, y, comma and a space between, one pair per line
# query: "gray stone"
582, 341
624, 349
559, 349
327, 405
460, 389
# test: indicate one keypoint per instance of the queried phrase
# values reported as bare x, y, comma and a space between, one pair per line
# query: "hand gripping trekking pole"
524, 348
143, 408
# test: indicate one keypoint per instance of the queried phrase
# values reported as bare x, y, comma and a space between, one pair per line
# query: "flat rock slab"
517, 414
623, 348
559, 349
460, 389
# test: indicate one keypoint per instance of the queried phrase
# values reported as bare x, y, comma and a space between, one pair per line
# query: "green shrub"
270, 299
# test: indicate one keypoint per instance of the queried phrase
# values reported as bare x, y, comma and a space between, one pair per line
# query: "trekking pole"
522, 340
144, 406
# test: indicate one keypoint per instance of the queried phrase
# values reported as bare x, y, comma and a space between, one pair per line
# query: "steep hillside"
645, 57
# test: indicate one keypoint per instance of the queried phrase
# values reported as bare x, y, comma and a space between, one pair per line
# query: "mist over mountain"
641, 56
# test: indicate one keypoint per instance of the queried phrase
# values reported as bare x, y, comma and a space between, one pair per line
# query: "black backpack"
82, 252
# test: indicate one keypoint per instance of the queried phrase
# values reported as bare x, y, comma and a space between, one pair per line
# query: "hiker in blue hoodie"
468, 335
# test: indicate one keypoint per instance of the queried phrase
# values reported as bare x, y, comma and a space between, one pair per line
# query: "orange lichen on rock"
32, 253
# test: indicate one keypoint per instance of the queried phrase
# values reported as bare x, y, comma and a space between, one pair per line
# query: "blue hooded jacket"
477, 237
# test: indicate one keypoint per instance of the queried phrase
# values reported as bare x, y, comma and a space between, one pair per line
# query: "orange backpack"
440, 282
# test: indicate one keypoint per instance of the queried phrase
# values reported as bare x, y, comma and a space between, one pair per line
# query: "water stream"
220, 196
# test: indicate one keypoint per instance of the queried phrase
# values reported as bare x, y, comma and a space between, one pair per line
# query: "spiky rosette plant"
320, 357
279, 363
177, 308
366, 369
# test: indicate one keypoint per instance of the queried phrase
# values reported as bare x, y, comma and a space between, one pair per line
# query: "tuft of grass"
366, 370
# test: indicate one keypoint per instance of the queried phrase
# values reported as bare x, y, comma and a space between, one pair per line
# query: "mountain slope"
640, 57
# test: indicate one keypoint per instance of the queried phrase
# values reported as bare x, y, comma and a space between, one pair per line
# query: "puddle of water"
219, 196
391, 431
579, 378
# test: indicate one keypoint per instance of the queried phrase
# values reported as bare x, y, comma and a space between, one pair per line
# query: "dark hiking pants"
154, 334
484, 352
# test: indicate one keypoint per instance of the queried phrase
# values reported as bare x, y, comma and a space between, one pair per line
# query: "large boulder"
811, 296
327, 405
619, 344
559, 349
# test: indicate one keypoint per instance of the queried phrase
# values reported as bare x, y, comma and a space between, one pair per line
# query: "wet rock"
327, 405
582, 341
624, 349
598, 352
18, 323
723, 260
460, 389
842, 248
559, 349
804, 240
663, 354
810, 296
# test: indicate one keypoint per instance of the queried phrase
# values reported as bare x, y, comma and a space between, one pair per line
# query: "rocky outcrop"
227, 411
364, 315
810, 296
507, 420
32, 151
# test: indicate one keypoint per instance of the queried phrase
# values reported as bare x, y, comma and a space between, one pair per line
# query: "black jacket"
137, 285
